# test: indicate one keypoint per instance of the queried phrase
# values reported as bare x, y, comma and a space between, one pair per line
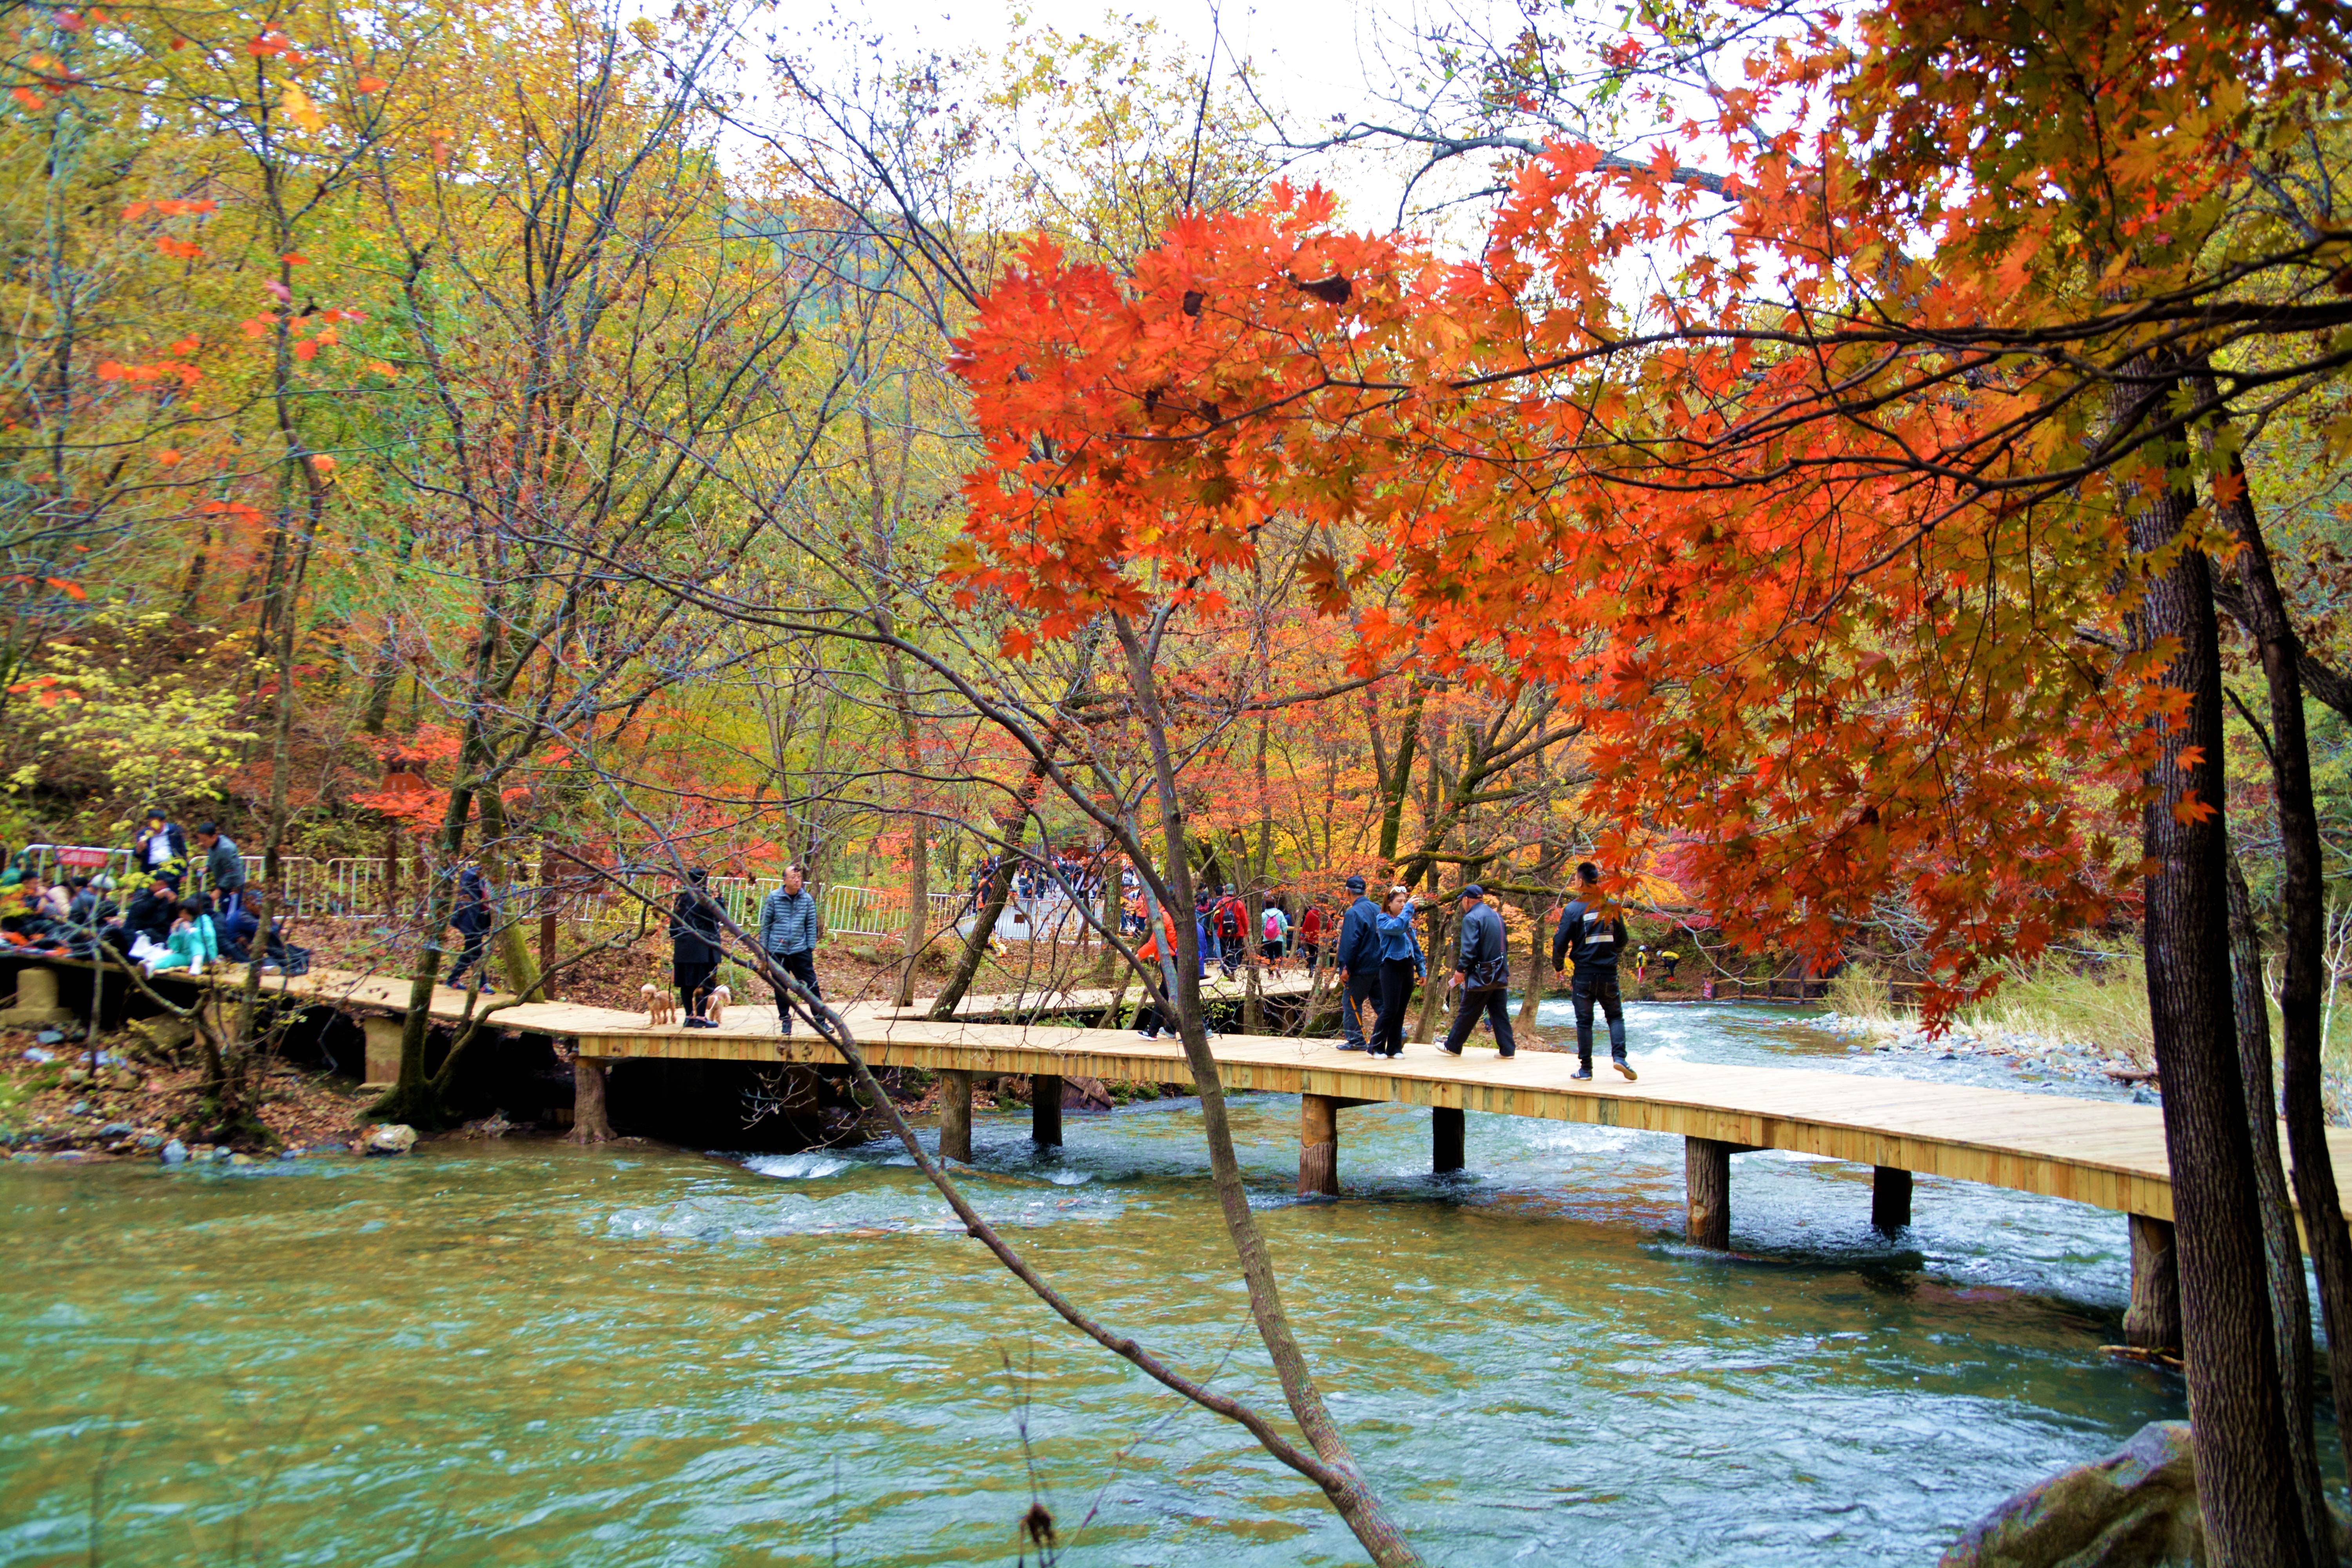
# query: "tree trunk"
2244, 1483
2303, 899
2290, 1306
999, 887
1355, 1501
513, 939
410, 1098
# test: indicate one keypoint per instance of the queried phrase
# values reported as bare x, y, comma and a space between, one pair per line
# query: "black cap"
1355, 884
1474, 891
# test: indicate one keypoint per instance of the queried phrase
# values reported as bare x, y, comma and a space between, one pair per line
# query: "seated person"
192, 945
152, 909
237, 928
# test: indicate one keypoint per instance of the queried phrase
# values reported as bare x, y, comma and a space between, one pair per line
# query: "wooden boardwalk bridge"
2107, 1154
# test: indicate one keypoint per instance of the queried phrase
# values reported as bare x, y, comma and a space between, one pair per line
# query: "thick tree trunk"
2290, 1306
2244, 1483
2302, 906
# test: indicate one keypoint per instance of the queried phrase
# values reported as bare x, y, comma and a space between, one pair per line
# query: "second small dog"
716, 1008
661, 1008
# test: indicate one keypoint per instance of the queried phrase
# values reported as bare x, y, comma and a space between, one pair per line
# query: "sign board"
80, 854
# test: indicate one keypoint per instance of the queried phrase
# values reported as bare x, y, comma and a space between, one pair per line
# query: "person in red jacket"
1310, 935
1233, 931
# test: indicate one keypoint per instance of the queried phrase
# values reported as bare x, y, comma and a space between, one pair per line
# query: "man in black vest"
1590, 932
1482, 972
1358, 958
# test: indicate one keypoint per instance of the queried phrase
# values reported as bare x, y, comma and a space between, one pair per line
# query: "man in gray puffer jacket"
788, 936
1482, 972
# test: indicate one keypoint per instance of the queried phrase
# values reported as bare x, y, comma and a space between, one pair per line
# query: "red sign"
75, 855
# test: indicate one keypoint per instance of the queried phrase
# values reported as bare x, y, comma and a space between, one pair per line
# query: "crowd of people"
1376, 950
176, 908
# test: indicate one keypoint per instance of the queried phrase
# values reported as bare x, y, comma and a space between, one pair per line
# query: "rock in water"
175, 1152
389, 1137
2135, 1509
1085, 1094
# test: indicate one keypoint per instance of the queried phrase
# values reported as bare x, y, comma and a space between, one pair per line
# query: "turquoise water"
529, 1353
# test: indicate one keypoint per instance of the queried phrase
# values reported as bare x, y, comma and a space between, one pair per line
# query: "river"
522, 1352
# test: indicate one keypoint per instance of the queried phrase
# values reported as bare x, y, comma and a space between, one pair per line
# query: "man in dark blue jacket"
1358, 957
1592, 936
1482, 974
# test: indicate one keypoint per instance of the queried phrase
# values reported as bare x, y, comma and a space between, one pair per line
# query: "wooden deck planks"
2105, 1153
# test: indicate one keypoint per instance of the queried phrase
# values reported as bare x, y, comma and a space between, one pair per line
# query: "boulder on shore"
389, 1137
2135, 1509
1085, 1094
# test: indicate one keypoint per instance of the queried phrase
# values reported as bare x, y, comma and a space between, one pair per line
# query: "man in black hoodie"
1592, 933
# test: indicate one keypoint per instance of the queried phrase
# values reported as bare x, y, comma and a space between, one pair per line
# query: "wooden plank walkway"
2107, 1154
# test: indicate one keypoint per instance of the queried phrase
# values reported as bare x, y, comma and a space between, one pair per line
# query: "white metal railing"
355, 887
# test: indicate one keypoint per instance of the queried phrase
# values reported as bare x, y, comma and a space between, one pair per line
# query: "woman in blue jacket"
1401, 966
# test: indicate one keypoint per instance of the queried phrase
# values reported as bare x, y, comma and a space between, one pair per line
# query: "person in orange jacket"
1147, 1018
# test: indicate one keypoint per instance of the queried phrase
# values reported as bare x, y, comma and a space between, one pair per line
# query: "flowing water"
529, 1353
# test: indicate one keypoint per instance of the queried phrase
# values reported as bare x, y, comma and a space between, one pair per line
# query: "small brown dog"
661, 1008
716, 1008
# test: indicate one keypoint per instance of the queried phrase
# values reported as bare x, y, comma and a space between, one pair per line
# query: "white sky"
1311, 59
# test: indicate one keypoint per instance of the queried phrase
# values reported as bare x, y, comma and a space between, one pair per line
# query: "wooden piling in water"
1707, 1187
1890, 1198
2153, 1321
1046, 1109
1318, 1145
1445, 1135
955, 1115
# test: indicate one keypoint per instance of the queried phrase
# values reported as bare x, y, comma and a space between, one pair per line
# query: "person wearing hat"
1482, 973
1357, 957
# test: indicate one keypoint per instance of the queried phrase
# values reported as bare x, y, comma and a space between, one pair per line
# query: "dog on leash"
716, 1008
661, 1008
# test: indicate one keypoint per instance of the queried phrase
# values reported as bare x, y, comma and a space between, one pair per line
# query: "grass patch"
2100, 1002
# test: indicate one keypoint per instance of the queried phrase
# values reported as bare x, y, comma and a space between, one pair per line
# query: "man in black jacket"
1358, 958
1592, 935
1482, 973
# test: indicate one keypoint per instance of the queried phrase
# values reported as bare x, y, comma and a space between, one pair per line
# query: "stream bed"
522, 1352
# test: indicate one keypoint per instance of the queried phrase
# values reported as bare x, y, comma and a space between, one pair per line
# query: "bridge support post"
1890, 1198
1318, 1144
382, 1060
1044, 1110
1706, 1190
588, 1121
2153, 1321
1445, 1133
955, 1115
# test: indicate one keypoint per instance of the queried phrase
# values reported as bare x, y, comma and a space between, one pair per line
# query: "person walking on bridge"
788, 936
1358, 958
1401, 966
1591, 935
1482, 973
694, 947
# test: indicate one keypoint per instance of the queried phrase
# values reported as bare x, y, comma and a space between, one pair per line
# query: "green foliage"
153, 732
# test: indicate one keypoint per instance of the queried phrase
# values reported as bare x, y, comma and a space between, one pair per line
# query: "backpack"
1274, 925
1229, 921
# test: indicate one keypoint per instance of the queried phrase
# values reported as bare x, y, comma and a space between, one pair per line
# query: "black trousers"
800, 966
1363, 986
468, 955
1599, 985
1493, 1003
1396, 993
693, 982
